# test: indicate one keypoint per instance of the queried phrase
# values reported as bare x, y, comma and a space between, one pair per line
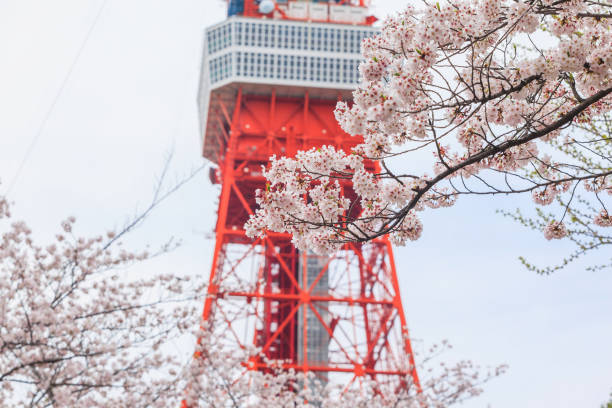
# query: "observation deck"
291, 57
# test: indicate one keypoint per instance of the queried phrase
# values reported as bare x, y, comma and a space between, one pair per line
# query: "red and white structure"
269, 86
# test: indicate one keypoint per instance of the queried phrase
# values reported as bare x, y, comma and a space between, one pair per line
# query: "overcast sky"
104, 130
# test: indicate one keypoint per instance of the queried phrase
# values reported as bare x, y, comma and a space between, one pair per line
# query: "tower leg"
339, 317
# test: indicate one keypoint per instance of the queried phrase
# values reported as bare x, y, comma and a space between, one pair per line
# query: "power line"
54, 102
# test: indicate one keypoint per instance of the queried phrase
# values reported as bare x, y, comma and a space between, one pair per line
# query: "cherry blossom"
78, 329
490, 88
603, 219
555, 230
221, 376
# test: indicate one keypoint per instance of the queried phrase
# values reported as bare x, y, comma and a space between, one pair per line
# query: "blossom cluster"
219, 376
311, 190
77, 329
485, 85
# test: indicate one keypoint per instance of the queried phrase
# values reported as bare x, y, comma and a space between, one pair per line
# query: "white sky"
131, 98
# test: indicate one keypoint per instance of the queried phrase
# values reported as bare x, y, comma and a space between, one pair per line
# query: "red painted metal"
251, 9
361, 311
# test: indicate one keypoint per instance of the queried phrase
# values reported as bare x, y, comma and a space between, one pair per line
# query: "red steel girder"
360, 310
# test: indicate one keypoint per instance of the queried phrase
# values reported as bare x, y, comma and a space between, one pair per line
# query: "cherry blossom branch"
480, 86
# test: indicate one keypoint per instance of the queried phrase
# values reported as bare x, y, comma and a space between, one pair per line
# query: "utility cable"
54, 102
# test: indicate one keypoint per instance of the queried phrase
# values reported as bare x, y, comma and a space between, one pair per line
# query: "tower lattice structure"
269, 86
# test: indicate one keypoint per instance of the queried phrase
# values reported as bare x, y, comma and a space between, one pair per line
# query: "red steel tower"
271, 76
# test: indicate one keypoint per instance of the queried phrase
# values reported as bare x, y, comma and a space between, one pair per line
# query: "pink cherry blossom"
484, 88
603, 219
555, 230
